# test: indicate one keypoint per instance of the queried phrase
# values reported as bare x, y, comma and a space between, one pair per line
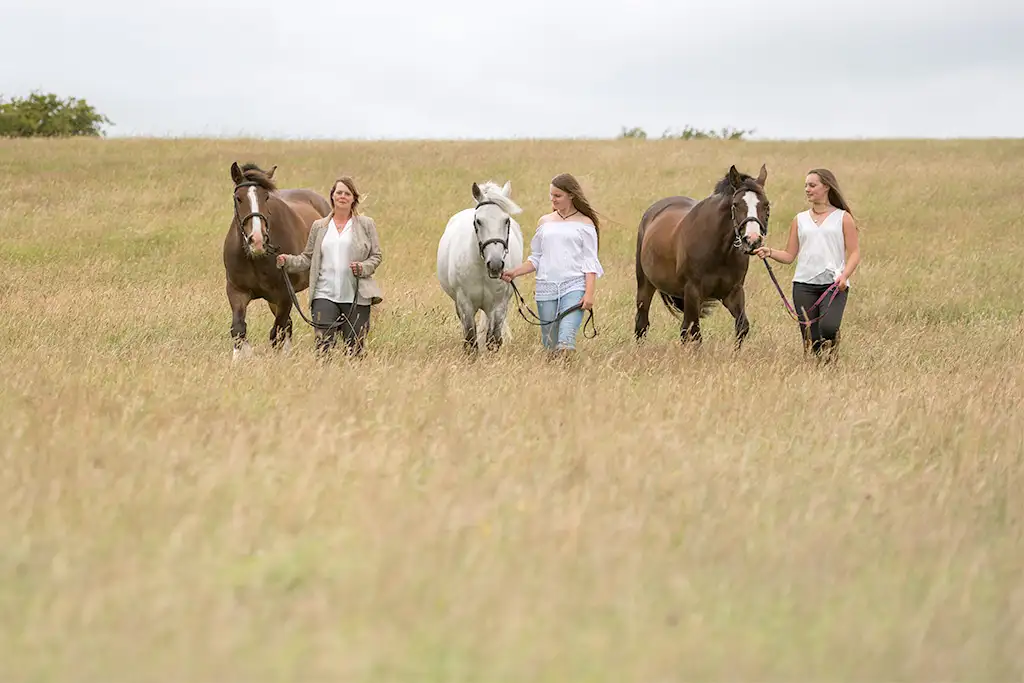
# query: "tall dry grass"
650, 513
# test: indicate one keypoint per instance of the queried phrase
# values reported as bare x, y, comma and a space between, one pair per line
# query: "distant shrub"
40, 115
637, 133
689, 133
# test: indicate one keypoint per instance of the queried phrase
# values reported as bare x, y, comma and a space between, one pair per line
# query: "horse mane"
724, 186
492, 191
257, 175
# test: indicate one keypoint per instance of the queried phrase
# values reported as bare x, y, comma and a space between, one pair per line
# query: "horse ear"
477, 194
734, 177
762, 176
236, 173
270, 173
506, 189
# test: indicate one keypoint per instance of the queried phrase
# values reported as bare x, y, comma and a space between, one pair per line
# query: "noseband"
493, 240
738, 227
269, 248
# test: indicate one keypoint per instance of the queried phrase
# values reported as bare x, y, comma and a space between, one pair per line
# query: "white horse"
477, 245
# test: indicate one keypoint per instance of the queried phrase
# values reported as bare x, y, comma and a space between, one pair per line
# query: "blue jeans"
562, 334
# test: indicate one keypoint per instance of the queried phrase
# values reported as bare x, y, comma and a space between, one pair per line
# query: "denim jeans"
562, 334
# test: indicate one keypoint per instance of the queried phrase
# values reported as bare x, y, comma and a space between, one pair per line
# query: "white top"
336, 282
822, 253
563, 252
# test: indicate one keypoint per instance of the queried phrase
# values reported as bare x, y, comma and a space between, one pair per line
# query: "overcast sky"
525, 68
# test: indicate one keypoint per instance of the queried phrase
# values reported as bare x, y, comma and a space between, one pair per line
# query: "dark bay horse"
693, 253
266, 222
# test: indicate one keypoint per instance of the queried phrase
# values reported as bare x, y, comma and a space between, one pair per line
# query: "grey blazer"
365, 249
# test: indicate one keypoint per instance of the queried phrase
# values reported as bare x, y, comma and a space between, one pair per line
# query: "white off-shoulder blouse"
563, 252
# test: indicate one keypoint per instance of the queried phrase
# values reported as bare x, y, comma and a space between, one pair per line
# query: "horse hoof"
240, 353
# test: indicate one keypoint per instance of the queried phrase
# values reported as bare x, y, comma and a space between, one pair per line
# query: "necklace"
564, 217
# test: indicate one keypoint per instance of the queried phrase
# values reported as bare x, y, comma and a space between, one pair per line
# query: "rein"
521, 303
322, 326
834, 288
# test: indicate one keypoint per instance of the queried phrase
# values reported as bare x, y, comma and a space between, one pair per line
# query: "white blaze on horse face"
257, 224
752, 230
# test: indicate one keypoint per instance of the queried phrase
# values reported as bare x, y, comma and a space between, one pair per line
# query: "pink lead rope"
834, 288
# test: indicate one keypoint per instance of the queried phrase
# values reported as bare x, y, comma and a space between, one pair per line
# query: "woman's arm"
532, 261
296, 263
376, 254
852, 242
783, 256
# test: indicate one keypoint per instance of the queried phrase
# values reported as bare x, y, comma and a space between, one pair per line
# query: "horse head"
749, 208
492, 224
253, 187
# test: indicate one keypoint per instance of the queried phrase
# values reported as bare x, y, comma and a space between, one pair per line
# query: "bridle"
269, 248
493, 240
737, 228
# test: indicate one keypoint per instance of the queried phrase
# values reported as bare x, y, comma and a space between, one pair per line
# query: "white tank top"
822, 253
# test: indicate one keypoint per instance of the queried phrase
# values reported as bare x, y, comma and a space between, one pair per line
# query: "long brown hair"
835, 195
567, 183
351, 185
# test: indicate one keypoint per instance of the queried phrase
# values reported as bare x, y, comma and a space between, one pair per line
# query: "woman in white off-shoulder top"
563, 253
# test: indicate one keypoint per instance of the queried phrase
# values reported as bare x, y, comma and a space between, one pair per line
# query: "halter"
737, 227
493, 240
270, 248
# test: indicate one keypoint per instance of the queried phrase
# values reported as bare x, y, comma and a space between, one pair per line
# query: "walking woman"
563, 253
342, 253
824, 242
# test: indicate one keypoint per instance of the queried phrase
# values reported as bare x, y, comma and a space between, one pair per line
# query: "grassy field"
641, 514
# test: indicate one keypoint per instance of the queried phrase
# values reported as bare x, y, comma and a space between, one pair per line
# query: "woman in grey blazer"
341, 254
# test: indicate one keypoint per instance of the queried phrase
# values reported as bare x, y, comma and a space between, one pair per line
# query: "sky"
373, 69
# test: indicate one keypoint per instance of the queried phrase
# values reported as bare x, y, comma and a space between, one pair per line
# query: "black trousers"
353, 329
824, 333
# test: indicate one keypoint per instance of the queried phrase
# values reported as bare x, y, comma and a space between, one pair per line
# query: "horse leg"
239, 302
644, 295
692, 301
281, 330
495, 325
735, 303
467, 314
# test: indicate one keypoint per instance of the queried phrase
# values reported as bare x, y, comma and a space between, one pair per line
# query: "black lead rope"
521, 303
325, 327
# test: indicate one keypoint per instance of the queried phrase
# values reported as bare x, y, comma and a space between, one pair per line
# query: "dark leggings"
353, 330
823, 333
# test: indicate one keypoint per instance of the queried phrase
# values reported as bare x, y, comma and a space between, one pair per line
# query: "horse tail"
675, 305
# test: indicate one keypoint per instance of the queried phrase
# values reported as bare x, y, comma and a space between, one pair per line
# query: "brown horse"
266, 222
695, 252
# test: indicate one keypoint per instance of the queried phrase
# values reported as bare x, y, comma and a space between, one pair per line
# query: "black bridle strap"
270, 249
493, 240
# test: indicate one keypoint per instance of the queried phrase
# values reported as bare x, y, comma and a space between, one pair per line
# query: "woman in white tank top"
824, 242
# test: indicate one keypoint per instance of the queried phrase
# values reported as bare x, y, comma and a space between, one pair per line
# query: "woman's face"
815, 190
561, 201
342, 198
